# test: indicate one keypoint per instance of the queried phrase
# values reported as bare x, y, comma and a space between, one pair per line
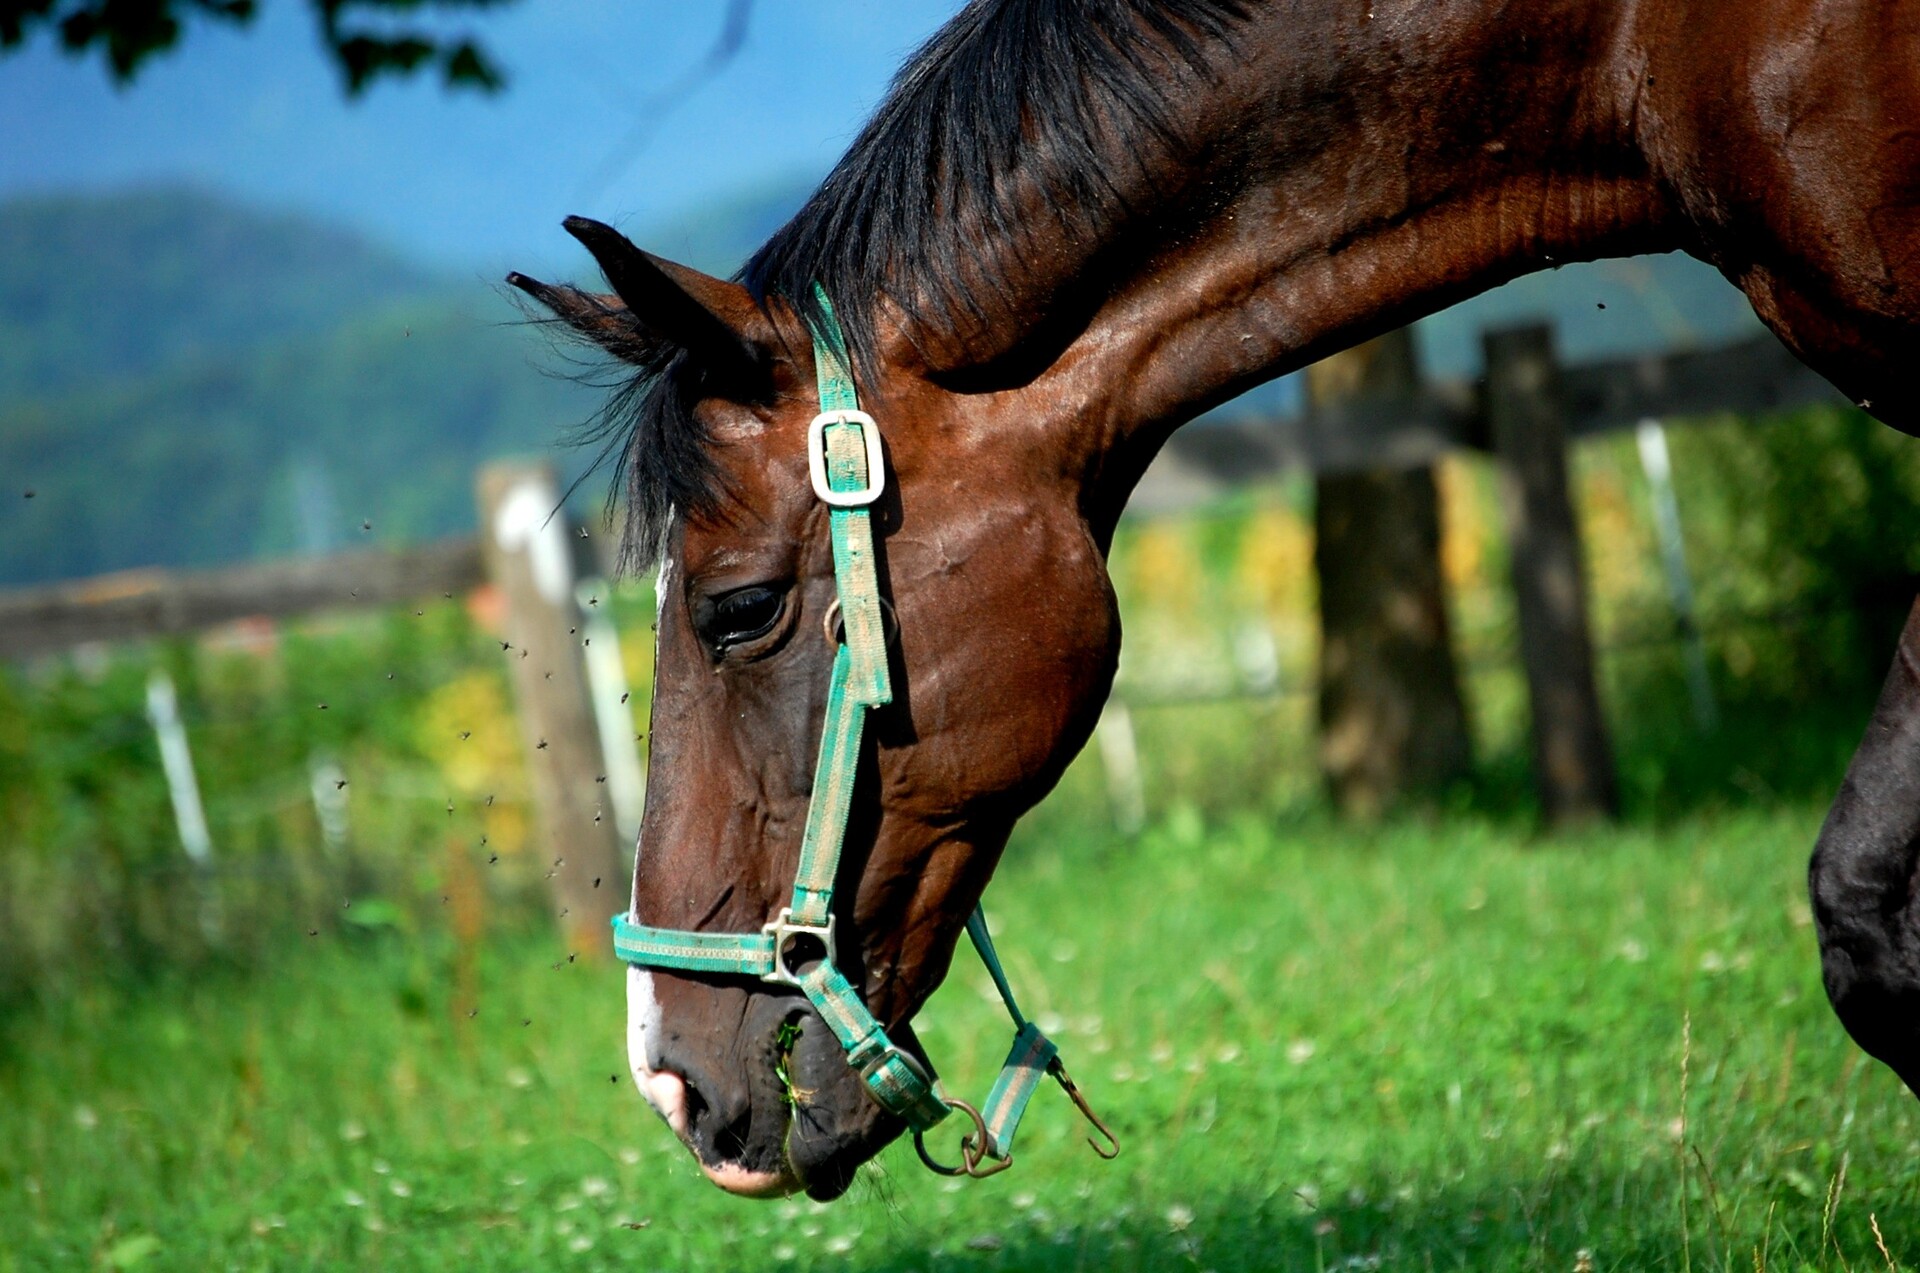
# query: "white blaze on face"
663, 1091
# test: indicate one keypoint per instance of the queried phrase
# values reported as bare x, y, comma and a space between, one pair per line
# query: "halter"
797, 948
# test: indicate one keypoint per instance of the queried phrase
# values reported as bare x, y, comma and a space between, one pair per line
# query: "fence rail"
149, 603
1203, 461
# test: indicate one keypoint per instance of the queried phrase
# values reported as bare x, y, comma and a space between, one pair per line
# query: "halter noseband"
845, 464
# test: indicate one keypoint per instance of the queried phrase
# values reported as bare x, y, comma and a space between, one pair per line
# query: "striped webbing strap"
844, 459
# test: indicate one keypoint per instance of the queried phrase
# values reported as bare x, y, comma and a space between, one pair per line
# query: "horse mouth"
786, 1115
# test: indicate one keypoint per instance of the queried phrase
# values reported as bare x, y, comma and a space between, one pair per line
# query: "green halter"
844, 461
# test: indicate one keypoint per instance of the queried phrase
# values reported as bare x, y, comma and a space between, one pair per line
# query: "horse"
1070, 227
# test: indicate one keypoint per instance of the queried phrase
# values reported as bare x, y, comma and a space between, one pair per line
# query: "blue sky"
464, 179
479, 183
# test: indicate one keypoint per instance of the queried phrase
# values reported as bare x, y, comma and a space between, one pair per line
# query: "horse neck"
1368, 164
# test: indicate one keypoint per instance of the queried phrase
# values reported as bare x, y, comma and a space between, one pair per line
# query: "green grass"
1443, 1047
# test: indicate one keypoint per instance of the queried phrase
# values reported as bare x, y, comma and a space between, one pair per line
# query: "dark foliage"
361, 36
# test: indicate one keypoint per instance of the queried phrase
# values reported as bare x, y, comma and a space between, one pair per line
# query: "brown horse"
1072, 226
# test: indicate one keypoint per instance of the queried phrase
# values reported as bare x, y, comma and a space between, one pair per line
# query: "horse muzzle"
767, 1111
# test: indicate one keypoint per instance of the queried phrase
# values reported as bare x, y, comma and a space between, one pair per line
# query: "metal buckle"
817, 459
780, 930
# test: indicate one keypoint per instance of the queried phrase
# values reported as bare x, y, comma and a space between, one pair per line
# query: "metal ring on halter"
973, 1148
836, 631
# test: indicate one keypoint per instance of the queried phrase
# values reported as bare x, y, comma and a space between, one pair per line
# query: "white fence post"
328, 782
1658, 466
1120, 757
163, 709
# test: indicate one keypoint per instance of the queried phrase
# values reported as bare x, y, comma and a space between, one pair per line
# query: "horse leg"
1863, 876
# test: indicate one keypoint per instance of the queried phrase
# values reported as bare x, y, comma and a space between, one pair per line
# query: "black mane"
1064, 94
1067, 94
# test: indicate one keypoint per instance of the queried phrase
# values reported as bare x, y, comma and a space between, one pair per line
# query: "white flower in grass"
352, 1131
1228, 1054
1179, 1217
381, 1166
581, 1242
517, 1077
1122, 1073
1632, 951
1161, 1053
784, 1252
1300, 1051
1022, 1201
568, 1202
1713, 962
595, 1187
353, 1198
840, 1243
401, 1189
630, 1156
84, 1118
1051, 1023
515, 1180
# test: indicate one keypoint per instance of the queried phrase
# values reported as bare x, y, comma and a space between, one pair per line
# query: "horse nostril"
674, 1100
721, 1136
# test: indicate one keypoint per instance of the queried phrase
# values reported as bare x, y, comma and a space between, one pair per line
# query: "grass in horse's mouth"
783, 1054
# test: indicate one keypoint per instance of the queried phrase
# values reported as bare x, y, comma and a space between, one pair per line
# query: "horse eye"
742, 616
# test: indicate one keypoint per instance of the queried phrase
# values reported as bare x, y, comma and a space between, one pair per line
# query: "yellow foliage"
467, 728
1276, 561
1465, 527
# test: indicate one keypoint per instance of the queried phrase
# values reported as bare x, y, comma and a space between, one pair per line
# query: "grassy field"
1436, 1047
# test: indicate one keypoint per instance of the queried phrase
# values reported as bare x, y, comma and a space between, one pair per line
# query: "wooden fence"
1203, 461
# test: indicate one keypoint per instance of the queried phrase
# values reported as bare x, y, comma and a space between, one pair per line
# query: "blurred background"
265, 414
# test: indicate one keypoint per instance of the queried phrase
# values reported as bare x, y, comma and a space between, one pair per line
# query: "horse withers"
1072, 226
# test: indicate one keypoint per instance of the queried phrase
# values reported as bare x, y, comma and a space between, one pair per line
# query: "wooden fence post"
1526, 415
524, 536
1392, 723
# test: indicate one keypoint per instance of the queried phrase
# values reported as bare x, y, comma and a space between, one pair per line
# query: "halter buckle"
781, 930
817, 459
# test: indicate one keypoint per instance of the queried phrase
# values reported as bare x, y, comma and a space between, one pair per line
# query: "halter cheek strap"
797, 947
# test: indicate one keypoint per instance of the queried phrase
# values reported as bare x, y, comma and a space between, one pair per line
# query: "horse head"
1000, 638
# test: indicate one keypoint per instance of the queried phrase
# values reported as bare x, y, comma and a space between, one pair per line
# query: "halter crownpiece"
796, 948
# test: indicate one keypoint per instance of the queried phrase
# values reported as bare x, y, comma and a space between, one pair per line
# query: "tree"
365, 38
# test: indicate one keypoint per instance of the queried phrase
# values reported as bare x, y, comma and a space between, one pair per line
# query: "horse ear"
604, 320
657, 302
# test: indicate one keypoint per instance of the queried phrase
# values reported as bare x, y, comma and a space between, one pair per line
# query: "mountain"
101, 287
185, 382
